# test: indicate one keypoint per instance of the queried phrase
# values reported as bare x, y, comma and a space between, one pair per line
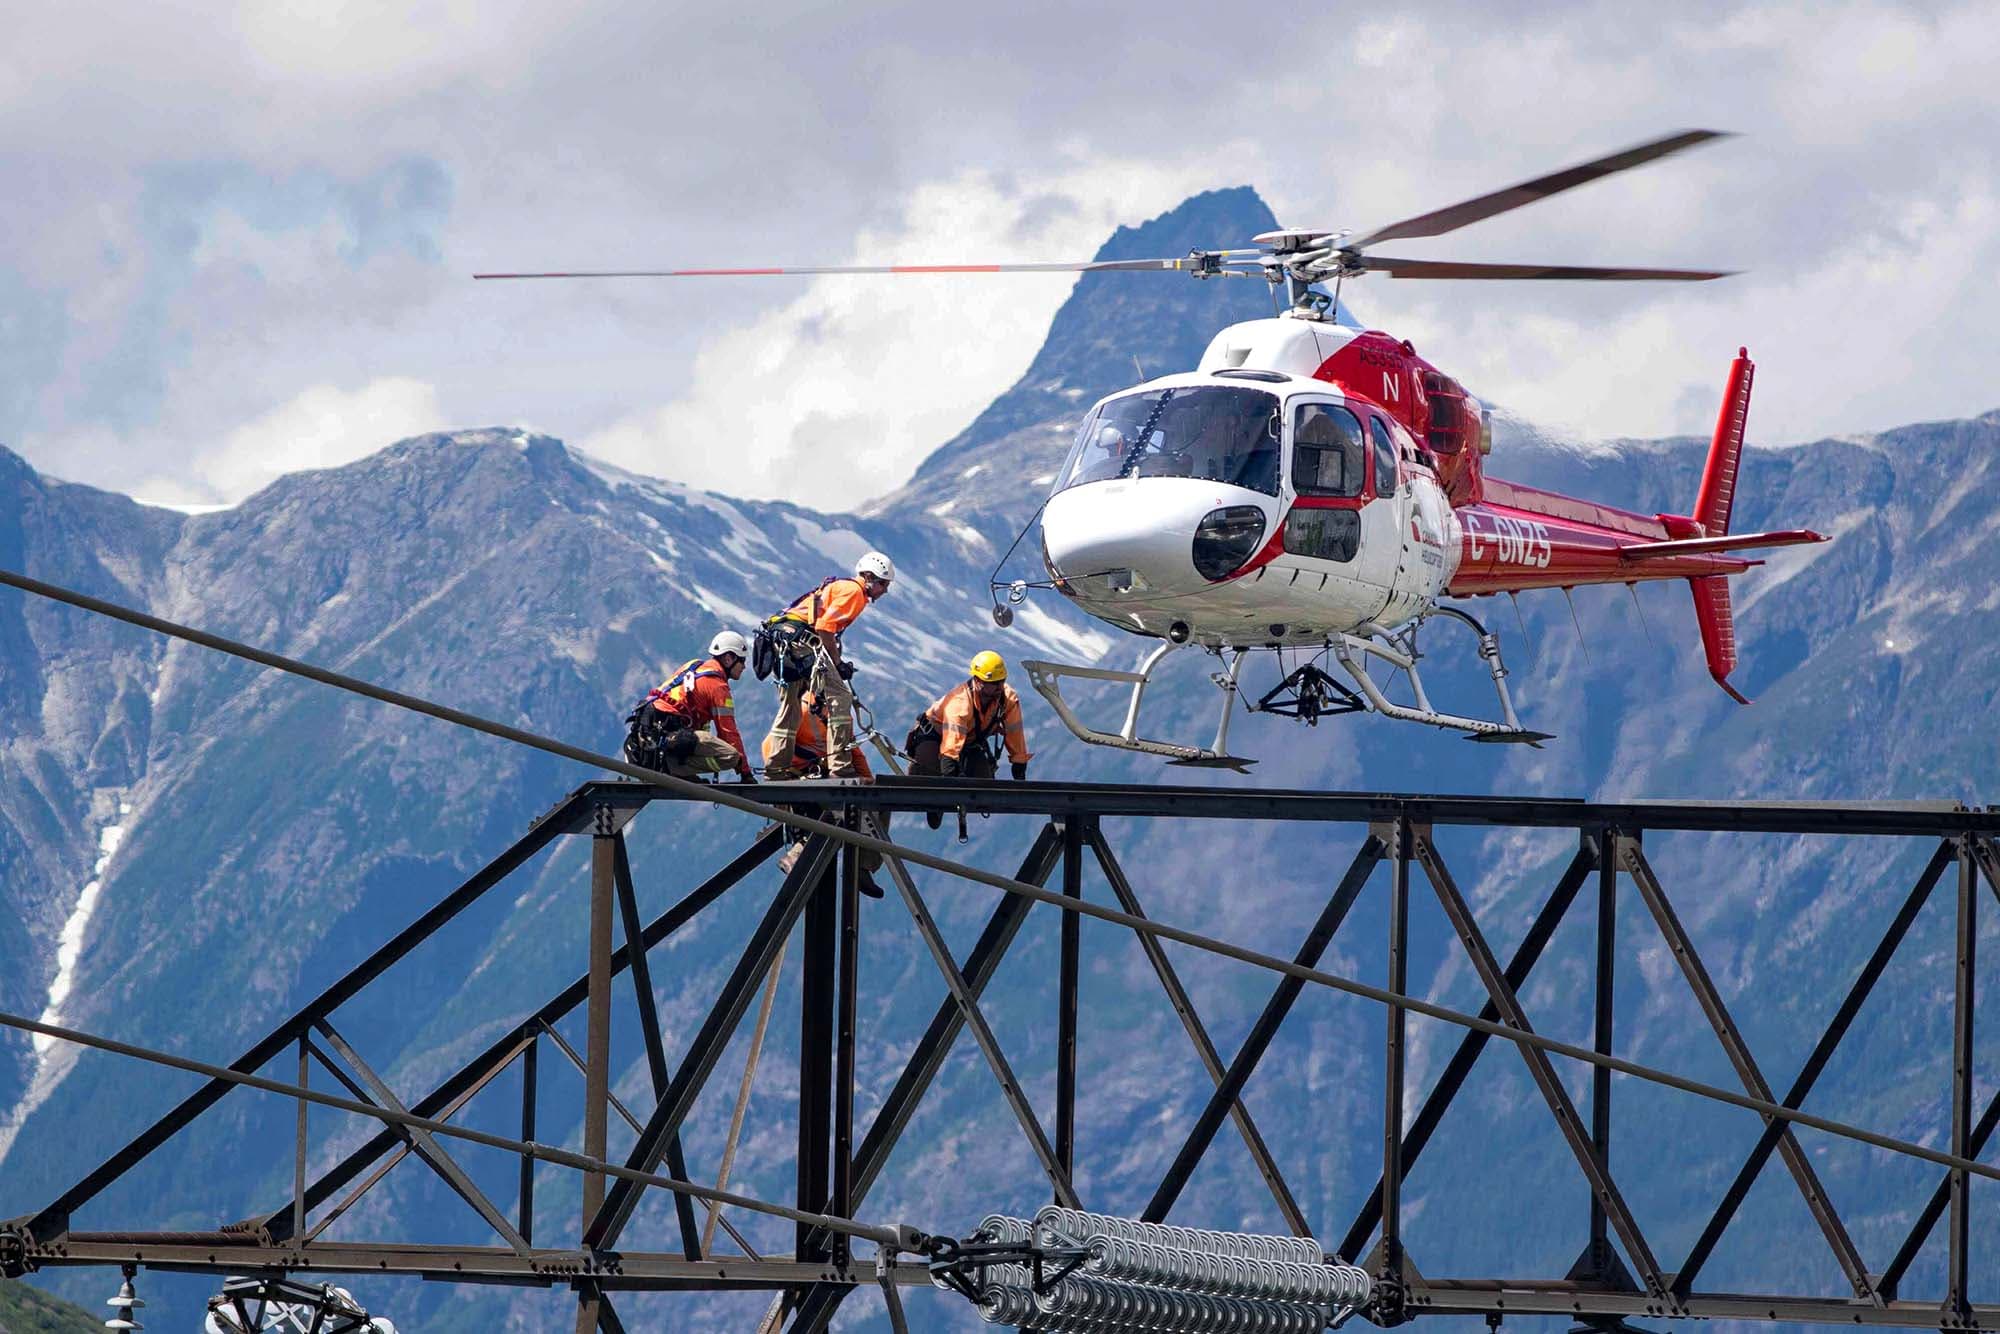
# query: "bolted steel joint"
14, 1246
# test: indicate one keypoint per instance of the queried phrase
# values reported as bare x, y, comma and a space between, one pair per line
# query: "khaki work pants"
837, 701
712, 755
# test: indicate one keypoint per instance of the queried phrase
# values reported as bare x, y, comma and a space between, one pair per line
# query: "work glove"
1020, 771
846, 670
949, 766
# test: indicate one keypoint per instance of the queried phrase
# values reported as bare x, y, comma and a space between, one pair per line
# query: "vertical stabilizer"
1725, 451
1718, 628
1711, 519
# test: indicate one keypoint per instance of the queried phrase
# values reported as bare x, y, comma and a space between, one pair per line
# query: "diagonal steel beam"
571, 1055
649, 1026
1177, 996
1439, 1100
989, 1047
54, 1216
935, 1045
485, 1065
1989, 1120
1602, 1185
1283, 996
403, 1150
1940, 1200
1809, 1073
709, 1041
816, 1308
421, 1140
1726, 1032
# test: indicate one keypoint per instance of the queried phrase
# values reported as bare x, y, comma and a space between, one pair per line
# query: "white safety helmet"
878, 565
729, 642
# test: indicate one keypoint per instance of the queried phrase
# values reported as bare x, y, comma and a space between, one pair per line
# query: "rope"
743, 1094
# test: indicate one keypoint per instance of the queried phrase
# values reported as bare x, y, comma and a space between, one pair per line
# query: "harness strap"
674, 692
812, 593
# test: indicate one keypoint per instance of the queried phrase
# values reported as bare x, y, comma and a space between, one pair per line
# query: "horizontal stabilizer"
1698, 546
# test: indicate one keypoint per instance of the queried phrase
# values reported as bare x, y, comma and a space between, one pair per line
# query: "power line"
853, 838
892, 1237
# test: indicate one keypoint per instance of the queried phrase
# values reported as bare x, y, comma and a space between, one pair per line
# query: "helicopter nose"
1132, 538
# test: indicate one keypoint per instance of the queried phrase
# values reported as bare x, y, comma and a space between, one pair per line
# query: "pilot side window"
1385, 458
1329, 456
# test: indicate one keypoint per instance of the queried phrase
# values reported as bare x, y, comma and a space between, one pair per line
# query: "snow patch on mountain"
733, 615
740, 541
52, 1059
843, 546
181, 507
1080, 645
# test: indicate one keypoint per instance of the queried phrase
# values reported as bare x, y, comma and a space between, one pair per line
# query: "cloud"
833, 397
323, 427
204, 219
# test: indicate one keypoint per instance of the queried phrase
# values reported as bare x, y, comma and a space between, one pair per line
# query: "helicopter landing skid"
1399, 650
1048, 676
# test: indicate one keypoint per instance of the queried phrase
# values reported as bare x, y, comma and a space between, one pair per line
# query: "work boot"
869, 887
935, 819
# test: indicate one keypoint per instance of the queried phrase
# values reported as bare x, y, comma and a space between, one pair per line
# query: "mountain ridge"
276, 832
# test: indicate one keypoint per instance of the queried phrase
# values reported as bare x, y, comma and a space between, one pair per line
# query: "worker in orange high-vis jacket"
809, 761
809, 745
956, 736
671, 728
808, 637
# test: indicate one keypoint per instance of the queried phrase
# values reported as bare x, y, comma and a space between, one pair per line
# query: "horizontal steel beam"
1505, 1297
227, 1253
637, 1271
1156, 800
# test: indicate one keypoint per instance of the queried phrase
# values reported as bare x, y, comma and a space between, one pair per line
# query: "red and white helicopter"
1315, 487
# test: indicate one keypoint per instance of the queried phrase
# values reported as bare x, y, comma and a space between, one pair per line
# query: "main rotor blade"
1527, 192
1090, 266
1444, 268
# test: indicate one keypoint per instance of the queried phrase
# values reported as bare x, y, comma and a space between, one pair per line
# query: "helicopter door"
1412, 585
1333, 522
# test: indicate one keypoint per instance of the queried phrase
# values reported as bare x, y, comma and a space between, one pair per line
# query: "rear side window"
1329, 457
1385, 458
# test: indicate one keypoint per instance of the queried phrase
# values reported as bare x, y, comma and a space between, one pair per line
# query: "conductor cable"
894, 1238
722, 796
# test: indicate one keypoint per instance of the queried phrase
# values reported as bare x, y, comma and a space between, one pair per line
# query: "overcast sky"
236, 241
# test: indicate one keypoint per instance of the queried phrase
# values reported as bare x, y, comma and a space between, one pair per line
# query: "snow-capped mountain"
190, 846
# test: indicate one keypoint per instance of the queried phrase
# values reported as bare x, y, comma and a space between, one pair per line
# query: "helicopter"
1316, 489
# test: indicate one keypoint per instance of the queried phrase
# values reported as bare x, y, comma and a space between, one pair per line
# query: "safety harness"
785, 645
655, 736
981, 751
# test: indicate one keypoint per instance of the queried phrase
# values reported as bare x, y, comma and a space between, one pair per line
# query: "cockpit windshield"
1210, 432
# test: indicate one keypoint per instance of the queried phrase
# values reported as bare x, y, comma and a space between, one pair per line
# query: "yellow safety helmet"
989, 666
